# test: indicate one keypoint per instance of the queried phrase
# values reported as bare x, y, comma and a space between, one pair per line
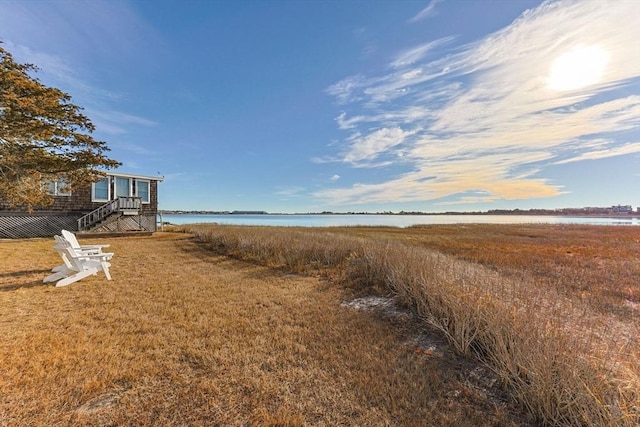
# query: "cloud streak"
369, 147
426, 12
115, 122
418, 53
486, 118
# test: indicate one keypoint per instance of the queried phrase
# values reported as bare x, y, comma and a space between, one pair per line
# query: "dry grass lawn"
551, 310
182, 336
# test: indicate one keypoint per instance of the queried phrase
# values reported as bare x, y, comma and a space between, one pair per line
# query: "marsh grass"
554, 326
185, 336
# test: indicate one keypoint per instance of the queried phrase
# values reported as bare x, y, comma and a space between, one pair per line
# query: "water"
391, 220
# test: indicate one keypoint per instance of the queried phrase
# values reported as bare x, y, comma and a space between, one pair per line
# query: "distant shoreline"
501, 213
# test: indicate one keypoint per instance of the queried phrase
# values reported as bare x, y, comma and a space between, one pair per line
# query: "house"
117, 202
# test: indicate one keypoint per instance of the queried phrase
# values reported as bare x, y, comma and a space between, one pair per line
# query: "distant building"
620, 209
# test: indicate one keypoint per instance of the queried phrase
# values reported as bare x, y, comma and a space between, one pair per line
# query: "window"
100, 190
50, 186
112, 187
58, 188
123, 187
142, 190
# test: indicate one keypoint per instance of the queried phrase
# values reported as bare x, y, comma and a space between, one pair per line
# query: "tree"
44, 137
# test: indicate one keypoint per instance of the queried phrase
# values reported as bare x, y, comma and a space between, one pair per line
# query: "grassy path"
184, 337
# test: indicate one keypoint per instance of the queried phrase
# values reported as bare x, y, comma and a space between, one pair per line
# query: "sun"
578, 68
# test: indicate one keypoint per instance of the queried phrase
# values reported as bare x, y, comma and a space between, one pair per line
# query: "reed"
563, 360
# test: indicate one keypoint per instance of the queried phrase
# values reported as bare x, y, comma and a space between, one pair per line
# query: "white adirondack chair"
77, 265
71, 238
88, 249
60, 243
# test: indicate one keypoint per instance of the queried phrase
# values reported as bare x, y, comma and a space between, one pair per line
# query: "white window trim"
56, 188
93, 190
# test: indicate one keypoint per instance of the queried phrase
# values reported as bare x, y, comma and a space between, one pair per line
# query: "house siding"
79, 201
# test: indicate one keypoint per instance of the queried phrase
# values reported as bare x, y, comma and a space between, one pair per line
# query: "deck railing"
126, 205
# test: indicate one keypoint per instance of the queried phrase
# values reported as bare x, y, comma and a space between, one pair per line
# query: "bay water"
333, 220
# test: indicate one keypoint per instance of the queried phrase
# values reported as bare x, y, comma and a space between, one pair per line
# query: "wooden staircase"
109, 212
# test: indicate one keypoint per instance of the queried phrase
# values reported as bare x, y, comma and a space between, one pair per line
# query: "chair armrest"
83, 247
88, 251
97, 256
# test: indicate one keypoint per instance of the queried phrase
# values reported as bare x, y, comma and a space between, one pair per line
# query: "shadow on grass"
201, 250
204, 251
6, 287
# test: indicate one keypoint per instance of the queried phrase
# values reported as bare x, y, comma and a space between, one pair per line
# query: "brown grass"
596, 264
561, 332
182, 336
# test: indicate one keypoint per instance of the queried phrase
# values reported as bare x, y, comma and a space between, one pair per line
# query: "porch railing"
124, 205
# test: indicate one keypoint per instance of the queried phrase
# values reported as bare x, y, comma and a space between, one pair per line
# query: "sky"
352, 105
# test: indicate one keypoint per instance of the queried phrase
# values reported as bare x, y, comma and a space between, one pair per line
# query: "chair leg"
74, 278
105, 268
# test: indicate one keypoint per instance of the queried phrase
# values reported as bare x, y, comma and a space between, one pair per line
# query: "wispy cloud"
365, 148
344, 89
92, 30
56, 70
630, 148
486, 117
418, 53
412, 114
426, 12
68, 41
116, 122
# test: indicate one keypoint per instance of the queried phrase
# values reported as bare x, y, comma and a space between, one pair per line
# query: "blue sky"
298, 106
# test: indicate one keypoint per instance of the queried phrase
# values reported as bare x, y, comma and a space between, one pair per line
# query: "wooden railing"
129, 204
126, 205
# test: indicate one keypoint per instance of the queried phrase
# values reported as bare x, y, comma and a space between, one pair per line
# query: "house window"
123, 187
58, 188
142, 189
100, 190
110, 188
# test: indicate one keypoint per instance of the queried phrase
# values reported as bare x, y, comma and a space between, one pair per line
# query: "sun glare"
578, 68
